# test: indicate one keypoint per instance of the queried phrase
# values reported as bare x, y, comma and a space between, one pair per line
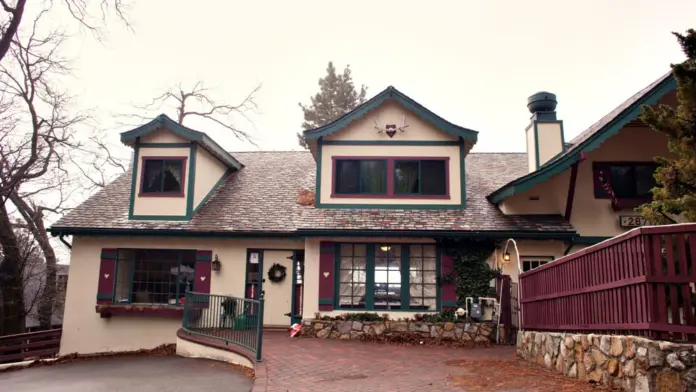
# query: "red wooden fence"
641, 282
15, 348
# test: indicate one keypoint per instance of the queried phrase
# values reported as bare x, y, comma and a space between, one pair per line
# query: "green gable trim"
191, 179
391, 93
462, 169
563, 163
389, 143
212, 190
162, 121
317, 191
498, 234
134, 179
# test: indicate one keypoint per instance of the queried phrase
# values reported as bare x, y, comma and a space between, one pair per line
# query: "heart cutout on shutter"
326, 274
106, 276
202, 278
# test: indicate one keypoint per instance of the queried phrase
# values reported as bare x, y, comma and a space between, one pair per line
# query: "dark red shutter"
202, 276
449, 295
107, 276
326, 276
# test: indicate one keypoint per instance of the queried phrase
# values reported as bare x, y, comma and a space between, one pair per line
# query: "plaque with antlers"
391, 129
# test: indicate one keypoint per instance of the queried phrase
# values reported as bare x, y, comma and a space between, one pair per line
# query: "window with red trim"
162, 176
630, 180
398, 177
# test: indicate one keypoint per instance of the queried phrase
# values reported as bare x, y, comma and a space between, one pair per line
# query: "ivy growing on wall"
471, 271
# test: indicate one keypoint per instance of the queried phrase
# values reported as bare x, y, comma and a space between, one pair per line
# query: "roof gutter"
84, 231
561, 235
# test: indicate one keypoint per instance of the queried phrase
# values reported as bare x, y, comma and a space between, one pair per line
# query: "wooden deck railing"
641, 282
15, 348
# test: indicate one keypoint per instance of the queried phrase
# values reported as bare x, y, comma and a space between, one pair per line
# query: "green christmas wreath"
277, 273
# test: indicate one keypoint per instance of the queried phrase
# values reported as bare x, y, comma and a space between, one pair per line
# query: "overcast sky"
472, 62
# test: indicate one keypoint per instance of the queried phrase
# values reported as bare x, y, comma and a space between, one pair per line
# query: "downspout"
571, 187
66, 243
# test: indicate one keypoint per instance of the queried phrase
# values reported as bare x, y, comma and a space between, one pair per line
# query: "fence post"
259, 329
187, 298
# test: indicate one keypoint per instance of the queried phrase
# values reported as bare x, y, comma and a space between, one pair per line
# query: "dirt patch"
345, 377
515, 375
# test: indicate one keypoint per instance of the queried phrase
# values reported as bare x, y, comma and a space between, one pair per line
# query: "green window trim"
405, 297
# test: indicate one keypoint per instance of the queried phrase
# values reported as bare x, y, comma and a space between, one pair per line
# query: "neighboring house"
32, 293
390, 178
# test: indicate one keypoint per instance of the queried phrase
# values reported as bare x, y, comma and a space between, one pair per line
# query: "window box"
106, 311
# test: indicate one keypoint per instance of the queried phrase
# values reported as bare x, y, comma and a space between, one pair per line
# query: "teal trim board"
391, 93
317, 192
389, 143
191, 178
134, 178
162, 121
462, 169
591, 143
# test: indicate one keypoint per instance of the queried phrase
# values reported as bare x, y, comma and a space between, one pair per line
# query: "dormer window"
163, 176
420, 177
391, 177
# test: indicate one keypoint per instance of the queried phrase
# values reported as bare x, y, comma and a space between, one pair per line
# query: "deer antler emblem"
391, 129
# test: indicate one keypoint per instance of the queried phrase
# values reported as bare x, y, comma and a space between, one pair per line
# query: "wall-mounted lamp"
216, 265
506, 256
385, 248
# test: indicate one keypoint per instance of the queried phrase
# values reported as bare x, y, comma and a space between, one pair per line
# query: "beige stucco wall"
175, 206
550, 141
391, 113
394, 151
590, 216
83, 329
551, 248
209, 170
163, 135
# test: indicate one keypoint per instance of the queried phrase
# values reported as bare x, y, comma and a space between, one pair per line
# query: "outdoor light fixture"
506, 256
216, 264
385, 248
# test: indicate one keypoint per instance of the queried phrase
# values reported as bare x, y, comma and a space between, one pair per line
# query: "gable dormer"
174, 169
390, 152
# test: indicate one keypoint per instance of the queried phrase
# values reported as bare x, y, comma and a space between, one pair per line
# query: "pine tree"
337, 96
675, 194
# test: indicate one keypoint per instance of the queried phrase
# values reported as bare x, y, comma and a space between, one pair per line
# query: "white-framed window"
531, 262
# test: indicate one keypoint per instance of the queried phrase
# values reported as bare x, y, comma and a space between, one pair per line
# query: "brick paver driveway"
298, 365
128, 374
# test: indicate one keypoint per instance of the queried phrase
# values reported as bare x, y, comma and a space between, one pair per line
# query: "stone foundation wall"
626, 362
467, 333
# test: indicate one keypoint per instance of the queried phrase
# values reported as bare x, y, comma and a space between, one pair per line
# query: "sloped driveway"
129, 374
307, 365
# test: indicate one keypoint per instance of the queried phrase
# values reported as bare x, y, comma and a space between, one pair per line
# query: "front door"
277, 295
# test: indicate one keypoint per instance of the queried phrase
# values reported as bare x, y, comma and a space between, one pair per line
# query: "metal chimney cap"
542, 101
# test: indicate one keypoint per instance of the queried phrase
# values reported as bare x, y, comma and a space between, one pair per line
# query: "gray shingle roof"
262, 197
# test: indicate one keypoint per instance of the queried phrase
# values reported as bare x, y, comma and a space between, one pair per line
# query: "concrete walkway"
129, 374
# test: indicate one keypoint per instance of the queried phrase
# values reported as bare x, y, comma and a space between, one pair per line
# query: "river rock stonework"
468, 334
630, 363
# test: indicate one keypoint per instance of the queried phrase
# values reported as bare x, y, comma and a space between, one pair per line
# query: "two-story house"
389, 179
